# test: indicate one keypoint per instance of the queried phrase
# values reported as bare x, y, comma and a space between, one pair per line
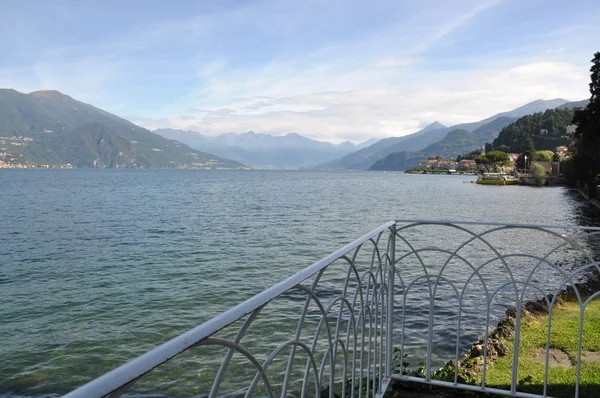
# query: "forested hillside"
50, 128
547, 130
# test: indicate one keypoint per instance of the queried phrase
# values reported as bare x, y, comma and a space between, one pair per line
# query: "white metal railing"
409, 291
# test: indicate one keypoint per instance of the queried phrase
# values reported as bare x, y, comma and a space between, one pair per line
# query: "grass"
563, 340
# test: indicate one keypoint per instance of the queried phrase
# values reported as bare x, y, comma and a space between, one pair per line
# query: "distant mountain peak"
541, 101
49, 93
246, 134
532, 107
289, 150
434, 126
574, 104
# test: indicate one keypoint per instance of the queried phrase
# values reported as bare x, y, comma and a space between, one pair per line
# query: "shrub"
539, 174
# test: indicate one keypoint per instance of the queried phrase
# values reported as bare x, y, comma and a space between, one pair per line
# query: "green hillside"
399, 161
47, 127
548, 130
454, 143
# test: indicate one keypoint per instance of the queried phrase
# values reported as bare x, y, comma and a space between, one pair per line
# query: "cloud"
334, 70
355, 115
392, 62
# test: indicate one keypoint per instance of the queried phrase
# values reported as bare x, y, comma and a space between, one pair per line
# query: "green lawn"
563, 344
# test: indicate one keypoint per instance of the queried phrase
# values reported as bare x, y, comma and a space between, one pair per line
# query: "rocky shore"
472, 363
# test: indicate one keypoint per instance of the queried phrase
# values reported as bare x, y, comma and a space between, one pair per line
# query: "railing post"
389, 351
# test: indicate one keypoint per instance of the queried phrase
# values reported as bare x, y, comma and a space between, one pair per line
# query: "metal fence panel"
409, 294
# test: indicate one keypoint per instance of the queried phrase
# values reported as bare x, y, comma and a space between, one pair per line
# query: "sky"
329, 70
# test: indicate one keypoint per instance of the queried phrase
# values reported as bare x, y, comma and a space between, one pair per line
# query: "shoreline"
594, 201
492, 346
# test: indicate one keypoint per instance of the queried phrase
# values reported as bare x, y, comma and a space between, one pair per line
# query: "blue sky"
330, 70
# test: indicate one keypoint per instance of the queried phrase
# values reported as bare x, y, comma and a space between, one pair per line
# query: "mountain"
485, 130
364, 158
547, 129
398, 161
48, 127
534, 107
367, 143
289, 151
574, 104
453, 144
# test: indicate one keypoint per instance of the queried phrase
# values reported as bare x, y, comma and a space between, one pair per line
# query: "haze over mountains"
50, 128
290, 151
436, 139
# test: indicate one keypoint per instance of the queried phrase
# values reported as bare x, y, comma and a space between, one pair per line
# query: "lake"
98, 266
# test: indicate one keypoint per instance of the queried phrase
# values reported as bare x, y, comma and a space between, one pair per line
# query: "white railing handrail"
134, 369
382, 280
497, 224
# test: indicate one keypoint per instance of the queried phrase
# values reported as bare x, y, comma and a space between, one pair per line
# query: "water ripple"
98, 266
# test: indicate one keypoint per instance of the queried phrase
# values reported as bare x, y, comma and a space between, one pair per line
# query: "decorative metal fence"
396, 304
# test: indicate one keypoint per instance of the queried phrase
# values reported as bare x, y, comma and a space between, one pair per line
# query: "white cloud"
356, 115
392, 62
334, 71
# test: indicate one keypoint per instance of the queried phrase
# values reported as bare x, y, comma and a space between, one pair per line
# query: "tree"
539, 174
482, 160
492, 160
529, 150
497, 159
488, 147
503, 148
542, 156
586, 159
546, 129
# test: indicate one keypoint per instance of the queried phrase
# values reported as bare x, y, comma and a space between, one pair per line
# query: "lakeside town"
545, 162
11, 159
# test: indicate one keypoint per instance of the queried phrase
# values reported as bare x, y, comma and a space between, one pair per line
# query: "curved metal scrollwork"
421, 290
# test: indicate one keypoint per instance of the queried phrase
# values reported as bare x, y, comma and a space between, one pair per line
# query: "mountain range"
48, 127
436, 139
290, 151
552, 122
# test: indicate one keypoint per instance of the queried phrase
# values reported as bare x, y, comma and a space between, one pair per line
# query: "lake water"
98, 266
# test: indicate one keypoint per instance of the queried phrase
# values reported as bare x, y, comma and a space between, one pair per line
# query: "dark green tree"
497, 159
482, 160
586, 159
492, 160
529, 150
503, 148
546, 129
